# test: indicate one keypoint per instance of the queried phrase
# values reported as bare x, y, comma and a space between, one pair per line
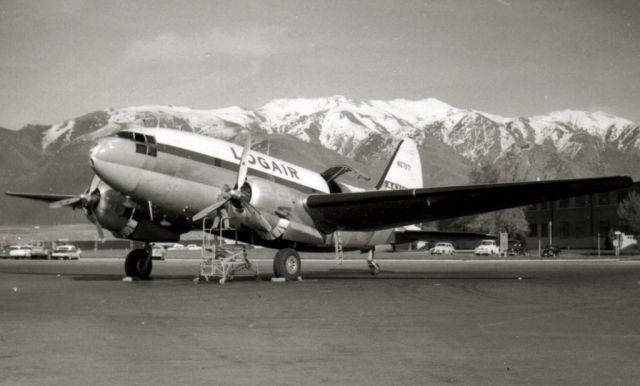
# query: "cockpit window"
152, 150
125, 134
145, 144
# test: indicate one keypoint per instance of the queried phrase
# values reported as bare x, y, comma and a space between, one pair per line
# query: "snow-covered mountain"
562, 144
358, 128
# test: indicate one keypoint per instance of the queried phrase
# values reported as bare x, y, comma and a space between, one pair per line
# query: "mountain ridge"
562, 144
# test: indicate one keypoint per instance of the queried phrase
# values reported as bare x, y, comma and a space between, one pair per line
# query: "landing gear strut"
138, 264
287, 264
373, 266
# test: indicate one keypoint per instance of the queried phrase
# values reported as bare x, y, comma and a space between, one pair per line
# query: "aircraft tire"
287, 264
134, 264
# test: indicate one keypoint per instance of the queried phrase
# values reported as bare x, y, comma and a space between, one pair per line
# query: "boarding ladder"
221, 259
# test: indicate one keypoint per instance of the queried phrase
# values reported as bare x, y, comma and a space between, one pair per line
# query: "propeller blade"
244, 163
100, 231
216, 222
97, 223
66, 202
95, 181
84, 198
210, 209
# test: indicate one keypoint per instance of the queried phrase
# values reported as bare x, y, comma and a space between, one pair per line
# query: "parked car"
193, 247
175, 246
550, 251
20, 251
66, 252
518, 249
442, 249
158, 252
487, 247
40, 249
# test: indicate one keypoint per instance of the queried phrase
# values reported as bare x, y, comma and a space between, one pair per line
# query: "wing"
42, 196
392, 208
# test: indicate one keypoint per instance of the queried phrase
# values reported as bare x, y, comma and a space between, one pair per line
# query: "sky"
63, 59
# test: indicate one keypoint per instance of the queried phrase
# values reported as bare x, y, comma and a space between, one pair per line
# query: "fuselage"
176, 174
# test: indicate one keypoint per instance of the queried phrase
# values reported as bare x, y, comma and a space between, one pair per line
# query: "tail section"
404, 171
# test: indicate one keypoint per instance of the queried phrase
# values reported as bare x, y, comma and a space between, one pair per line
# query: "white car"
20, 251
158, 252
175, 246
66, 252
442, 249
487, 247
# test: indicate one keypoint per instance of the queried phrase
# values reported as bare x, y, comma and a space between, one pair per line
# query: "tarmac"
422, 321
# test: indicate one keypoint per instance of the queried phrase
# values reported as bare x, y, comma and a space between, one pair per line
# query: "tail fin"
404, 171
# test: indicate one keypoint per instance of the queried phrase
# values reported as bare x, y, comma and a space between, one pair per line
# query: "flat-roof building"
579, 222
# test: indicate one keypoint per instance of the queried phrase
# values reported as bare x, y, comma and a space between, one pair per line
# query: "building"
578, 223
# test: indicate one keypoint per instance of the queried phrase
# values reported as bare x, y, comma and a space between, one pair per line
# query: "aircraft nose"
106, 151
93, 153
114, 160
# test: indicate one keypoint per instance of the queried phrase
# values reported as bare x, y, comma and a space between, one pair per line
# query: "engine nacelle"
123, 221
279, 200
281, 213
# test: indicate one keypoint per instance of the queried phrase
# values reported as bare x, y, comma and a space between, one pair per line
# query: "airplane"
154, 184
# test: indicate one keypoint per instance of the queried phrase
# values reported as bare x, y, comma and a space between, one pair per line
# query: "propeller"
236, 194
67, 201
239, 196
88, 200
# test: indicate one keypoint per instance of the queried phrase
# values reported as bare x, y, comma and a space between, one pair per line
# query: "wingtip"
625, 181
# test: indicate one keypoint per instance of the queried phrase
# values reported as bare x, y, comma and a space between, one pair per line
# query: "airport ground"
423, 321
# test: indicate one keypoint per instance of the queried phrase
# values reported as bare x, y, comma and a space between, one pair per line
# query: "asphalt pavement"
420, 322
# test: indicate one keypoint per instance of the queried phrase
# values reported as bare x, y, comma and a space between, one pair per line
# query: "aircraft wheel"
138, 264
287, 264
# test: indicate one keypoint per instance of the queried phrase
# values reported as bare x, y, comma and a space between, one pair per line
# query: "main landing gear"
286, 264
138, 263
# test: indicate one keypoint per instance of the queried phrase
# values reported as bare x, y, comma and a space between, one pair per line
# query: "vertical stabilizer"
404, 171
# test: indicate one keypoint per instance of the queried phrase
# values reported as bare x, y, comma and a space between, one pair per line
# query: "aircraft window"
145, 144
125, 134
